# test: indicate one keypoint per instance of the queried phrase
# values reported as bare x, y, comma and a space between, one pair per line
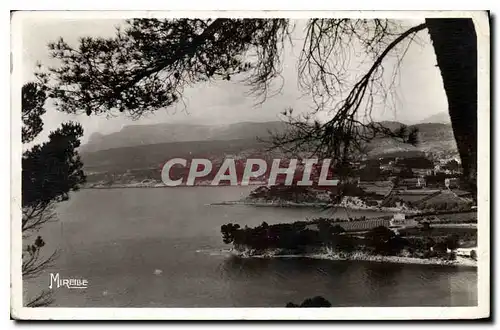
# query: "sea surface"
162, 247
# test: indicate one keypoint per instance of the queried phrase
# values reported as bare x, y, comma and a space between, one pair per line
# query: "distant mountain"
136, 135
434, 138
441, 118
139, 151
392, 125
155, 155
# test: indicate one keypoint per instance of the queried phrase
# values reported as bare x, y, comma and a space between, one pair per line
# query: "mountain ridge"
440, 118
135, 135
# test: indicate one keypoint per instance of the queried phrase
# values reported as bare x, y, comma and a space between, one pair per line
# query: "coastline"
273, 204
314, 205
360, 256
150, 185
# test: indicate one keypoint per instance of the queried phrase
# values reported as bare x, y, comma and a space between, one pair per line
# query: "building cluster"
410, 172
414, 182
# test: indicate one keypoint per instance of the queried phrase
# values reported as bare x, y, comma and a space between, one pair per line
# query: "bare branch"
44, 299
343, 136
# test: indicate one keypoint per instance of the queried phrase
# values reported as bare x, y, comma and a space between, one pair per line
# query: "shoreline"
314, 205
271, 204
360, 256
148, 187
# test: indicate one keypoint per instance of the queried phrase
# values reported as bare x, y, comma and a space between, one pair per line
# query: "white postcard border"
338, 313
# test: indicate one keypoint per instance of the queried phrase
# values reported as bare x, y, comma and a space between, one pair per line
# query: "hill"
155, 155
435, 139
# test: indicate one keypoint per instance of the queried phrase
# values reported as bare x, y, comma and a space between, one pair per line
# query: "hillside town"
415, 183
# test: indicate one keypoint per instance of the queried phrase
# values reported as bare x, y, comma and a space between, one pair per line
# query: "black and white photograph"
232, 165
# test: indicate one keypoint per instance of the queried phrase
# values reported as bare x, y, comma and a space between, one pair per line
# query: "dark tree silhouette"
52, 169
407, 135
149, 62
317, 301
49, 172
380, 234
384, 240
228, 232
33, 99
452, 241
455, 45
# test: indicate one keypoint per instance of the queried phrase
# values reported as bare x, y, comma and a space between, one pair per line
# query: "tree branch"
341, 136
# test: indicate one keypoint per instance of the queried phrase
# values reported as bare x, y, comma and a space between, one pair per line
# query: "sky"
420, 92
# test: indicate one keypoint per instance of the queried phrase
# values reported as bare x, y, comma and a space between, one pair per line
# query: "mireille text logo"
71, 283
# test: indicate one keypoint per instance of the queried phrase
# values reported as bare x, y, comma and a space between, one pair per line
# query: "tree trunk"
455, 45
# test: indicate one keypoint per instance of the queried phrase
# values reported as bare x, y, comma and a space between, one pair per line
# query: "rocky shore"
358, 256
